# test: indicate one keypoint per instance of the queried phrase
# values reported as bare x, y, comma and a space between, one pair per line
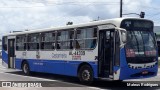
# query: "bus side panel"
65, 67
54, 66
123, 61
34, 65
123, 65
46, 66
18, 63
4, 57
71, 68
95, 69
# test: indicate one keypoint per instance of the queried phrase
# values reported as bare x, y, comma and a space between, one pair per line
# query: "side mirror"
124, 36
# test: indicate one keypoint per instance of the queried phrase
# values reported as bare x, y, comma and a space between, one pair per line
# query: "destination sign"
136, 24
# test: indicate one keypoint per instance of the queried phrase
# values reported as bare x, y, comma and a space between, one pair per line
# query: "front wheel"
85, 74
25, 68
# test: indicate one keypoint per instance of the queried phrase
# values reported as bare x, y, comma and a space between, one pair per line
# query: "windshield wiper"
136, 41
143, 44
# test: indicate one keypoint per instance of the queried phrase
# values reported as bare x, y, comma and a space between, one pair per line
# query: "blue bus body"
68, 63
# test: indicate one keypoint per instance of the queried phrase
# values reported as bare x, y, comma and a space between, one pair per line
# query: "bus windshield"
140, 44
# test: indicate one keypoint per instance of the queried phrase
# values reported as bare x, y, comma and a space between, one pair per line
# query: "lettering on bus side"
59, 55
77, 54
76, 57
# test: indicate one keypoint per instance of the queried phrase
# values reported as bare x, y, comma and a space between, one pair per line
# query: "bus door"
11, 53
110, 43
106, 53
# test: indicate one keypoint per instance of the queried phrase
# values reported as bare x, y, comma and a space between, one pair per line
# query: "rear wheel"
25, 68
118, 80
85, 74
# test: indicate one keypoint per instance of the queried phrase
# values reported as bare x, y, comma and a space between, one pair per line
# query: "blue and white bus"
115, 49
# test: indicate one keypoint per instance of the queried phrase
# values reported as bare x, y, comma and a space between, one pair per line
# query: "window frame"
73, 39
47, 42
5, 44
83, 39
25, 42
32, 42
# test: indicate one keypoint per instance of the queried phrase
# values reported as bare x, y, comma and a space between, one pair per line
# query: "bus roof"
115, 21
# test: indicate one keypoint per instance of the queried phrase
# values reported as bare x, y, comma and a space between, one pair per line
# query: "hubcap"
25, 68
86, 75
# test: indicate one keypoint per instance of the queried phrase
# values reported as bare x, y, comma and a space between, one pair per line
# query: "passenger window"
21, 43
48, 41
4, 41
86, 38
33, 41
65, 39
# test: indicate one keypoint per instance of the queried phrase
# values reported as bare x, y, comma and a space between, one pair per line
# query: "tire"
118, 80
85, 75
25, 68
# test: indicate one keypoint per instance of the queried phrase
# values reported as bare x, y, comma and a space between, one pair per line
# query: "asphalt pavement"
41, 81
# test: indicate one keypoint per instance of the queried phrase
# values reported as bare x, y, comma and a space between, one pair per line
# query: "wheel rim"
86, 75
25, 68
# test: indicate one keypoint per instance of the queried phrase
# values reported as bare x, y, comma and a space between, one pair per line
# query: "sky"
20, 15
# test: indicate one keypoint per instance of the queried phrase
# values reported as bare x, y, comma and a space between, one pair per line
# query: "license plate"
145, 72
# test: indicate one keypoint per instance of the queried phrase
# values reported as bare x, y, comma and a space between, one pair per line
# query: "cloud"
33, 14
136, 6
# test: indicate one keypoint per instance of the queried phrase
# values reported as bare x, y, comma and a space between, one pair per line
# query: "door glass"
117, 50
106, 53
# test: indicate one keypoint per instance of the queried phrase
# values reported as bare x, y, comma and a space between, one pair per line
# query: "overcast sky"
18, 15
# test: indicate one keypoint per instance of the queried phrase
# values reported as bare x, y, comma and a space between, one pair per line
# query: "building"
157, 31
0, 48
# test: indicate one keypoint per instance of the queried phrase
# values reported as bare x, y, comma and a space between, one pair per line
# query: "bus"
113, 49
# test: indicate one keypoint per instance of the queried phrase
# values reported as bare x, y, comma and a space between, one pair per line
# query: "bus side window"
94, 41
53, 44
65, 39
37, 47
86, 38
33, 41
25, 45
42, 45
28, 46
71, 45
58, 46
47, 40
93, 45
4, 40
77, 45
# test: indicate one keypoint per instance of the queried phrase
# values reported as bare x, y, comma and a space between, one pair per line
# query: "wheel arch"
24, 61
82, 64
